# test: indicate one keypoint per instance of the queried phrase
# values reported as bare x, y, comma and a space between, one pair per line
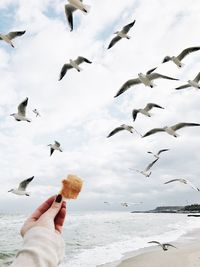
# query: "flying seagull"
121, 34
55, 146
177, 59
171, 130
146, 79
164, 246
122, 128
184, 181
36, 112
72, 7
145, 111
146, 172
125, 204
21, 114
191, 83
11, 35
21, 190
159, 152
73, 64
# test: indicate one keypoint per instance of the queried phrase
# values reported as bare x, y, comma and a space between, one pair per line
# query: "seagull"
145, 111
171, 130
191, 83
159, 152
73, 64
146, 172
11, 35
121, 34
21, 190
125, 204
36, 112
184, 181
21, 115
184, 53
55, 146
164, 246
121, 128
73, 6
146, 79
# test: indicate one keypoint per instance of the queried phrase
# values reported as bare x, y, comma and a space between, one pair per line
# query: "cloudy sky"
80, 110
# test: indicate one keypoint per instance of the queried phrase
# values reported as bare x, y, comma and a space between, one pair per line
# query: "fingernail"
58, 198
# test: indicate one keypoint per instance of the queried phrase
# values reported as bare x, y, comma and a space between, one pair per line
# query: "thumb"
55, 207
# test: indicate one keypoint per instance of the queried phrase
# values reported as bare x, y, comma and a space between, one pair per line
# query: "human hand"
51, 215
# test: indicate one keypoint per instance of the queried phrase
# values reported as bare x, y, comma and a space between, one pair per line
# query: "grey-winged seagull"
145, 110
21, 114
184, 181
121, 34
36, 112
146, 171
146, 79
10, 36
164, 246
73, 64
72, 7
122, 128
158, 153
55, 146
171, 130
177, 59
21, 190
191, 83
125, 204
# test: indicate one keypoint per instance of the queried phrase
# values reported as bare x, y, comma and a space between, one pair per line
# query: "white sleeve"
41, 248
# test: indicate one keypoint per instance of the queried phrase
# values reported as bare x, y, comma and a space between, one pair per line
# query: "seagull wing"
23, 185
69, 9
64, 69
187, 51
134, 114
155, 242
57, 143
174, 180
22, 107
127, 28
162, 150
183, 86
197, 78
183, 124
116, 130
156, 75
169, 245
194, 187
151, 165
80, 60
149, 106
114, 41
51, 151
127, 85
12, 35
150, 71
153, 131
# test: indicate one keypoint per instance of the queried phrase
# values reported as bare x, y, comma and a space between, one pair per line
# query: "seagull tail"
86, 9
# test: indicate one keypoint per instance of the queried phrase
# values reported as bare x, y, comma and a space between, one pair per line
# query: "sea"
101, 237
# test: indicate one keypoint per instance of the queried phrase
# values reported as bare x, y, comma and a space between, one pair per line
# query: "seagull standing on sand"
146, 79
55, 146
191, 83
184, 181
73, 6
171, 130
145, 111
164, 246
21, 115
11, 35
21, 190
36, 112
184, 53
121, 34
159, 152
122, 128
146, 172
73, 64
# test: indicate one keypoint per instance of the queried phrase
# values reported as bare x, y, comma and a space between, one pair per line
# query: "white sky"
80, 110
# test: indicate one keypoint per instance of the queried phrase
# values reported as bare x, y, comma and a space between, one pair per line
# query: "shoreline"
187, 254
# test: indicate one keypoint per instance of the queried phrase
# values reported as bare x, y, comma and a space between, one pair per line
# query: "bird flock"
145, 79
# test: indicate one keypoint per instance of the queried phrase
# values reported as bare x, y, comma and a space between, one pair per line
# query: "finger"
55, 207
42, 208
60, 218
